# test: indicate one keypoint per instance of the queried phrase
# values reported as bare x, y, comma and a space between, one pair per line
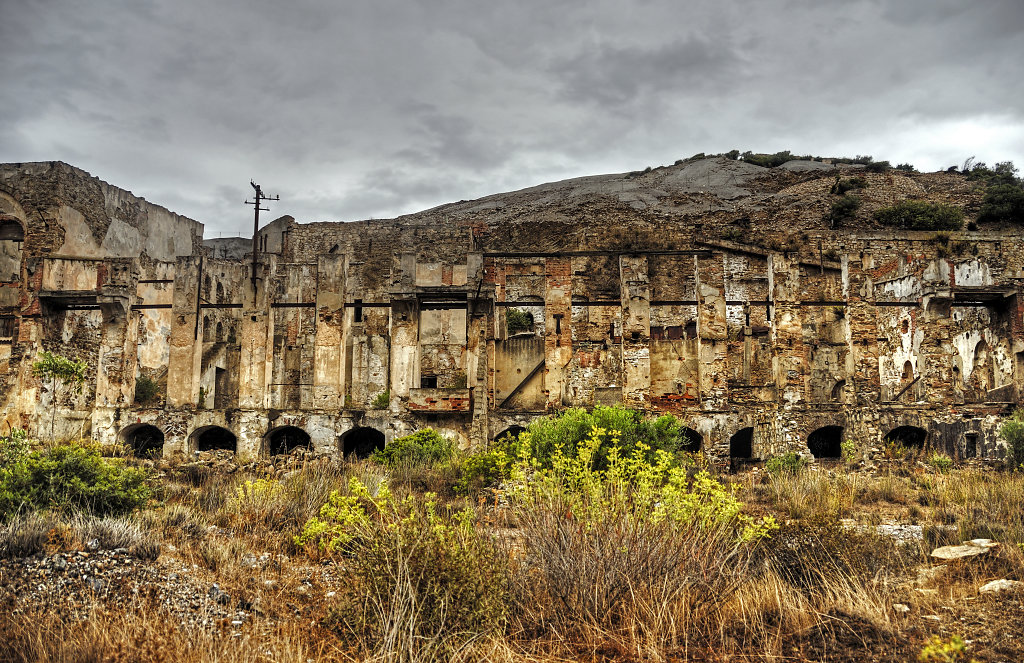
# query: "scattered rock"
1002, 585
219, 595
971, 548
901, 608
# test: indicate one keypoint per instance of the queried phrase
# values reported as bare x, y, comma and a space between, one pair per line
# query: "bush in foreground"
424, 447
72, 477
418, 572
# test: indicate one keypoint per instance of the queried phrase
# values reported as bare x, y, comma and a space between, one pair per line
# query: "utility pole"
255, 202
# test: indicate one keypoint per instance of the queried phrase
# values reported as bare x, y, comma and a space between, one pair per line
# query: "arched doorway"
910, 437
361, 442
12, 235
211, 438
826, 442
510, 432
145, 440
691, 440
741, 444
286, 439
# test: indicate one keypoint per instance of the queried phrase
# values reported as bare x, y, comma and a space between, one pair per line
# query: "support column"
557, 319
789, 355
186, 348
255, 338
712, 333
635, 284
863, 326
328, 350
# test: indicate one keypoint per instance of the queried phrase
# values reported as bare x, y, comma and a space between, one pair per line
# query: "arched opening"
207, 330
220, 332
910, 437
287, 439
145, 440
908, 372
509, 433
741, 444
220, 293
982, 375
691, 440
361, 442
837, 391
826, 442
211, 438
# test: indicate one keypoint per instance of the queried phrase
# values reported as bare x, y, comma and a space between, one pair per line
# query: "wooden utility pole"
255, 202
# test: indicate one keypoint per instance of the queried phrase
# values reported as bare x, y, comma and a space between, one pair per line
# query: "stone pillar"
186, 348
405, 348
255, 338
328, 350
635, 283
863, 330
115, 374
789, 356
557, 331
712, 333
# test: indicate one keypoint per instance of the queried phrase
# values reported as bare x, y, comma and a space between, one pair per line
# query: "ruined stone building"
712, 289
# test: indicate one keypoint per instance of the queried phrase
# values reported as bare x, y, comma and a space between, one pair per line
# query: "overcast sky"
355, 109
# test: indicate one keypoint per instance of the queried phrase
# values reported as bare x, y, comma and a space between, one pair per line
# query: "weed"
788, 463
383, 400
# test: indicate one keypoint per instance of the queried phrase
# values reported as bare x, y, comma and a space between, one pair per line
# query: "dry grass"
815, 591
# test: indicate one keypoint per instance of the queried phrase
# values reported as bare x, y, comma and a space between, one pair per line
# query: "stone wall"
731, 305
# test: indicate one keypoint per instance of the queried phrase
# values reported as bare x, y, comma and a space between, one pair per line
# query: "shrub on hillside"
844, 208
1003, 203
424, 447
921, 215
72, 477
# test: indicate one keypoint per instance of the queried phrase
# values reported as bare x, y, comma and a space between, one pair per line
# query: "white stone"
1001, 585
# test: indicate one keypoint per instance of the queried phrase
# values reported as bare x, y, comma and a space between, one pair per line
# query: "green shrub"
481, 469
1003, 203
906, 167
72, 477
424, 447
841, 186
517, 321
412, 567
1012, 431
938, 650
787, 463
941, 462
14, 448
921, 215
146, 390
844, 208
567, 430
383, 400
598, 545
878, 167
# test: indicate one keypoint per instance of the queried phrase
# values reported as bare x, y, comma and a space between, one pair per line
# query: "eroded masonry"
711, 289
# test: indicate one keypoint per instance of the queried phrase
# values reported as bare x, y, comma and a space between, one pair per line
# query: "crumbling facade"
711, 289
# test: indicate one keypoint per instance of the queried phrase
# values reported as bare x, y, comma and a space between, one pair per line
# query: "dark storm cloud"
371, 109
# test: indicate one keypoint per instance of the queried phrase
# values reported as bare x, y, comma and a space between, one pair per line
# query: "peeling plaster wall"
729, 318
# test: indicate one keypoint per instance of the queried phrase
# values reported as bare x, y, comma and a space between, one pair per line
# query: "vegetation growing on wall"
518, 321
65, 376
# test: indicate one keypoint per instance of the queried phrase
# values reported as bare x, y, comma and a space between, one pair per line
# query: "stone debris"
972, 548
1002, 585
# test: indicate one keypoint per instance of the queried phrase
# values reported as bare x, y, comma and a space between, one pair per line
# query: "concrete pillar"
405, 348
255, 338
712, 333
789, 356
328, 351
863, 326
186, 348
635, 283
557, 328
115, 374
